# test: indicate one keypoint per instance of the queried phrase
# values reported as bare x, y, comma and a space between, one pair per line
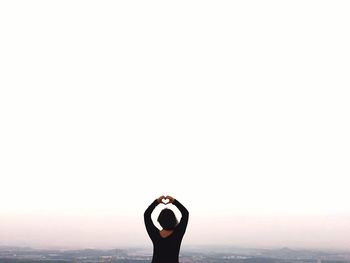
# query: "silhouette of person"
166, 242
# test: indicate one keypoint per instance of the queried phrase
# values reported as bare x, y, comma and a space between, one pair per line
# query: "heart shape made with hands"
165, 201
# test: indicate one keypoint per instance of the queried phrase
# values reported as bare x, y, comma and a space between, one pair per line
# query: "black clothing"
166, 249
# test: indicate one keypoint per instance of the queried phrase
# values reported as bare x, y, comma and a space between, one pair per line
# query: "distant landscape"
202, 254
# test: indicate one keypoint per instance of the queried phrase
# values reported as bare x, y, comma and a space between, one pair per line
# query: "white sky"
238, 109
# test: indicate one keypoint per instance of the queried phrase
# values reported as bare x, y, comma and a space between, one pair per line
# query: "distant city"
200, 254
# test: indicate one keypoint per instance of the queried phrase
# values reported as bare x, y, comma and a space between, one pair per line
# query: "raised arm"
150, 227
184, 212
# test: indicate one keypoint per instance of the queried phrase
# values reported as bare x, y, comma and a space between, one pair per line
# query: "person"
166, 242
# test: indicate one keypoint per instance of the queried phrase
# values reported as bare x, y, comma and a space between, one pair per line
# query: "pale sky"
238, 109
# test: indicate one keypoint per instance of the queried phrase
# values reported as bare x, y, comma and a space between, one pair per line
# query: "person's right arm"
184, 212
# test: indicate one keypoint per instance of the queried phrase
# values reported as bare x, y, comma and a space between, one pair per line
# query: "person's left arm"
152, 230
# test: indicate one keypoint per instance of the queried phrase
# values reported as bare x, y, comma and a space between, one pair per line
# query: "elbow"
185, 210
185, 213
147, 214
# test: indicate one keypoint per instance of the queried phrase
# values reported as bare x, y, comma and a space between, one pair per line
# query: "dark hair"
167, 219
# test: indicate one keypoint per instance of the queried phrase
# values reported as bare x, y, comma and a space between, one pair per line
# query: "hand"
171, 199
160, 198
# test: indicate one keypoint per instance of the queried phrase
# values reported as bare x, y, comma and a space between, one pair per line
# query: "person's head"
167, 219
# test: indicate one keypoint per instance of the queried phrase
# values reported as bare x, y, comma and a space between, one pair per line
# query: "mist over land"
191, 254
108, 231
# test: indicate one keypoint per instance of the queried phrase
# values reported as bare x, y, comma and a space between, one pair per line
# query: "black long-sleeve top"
166, 249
